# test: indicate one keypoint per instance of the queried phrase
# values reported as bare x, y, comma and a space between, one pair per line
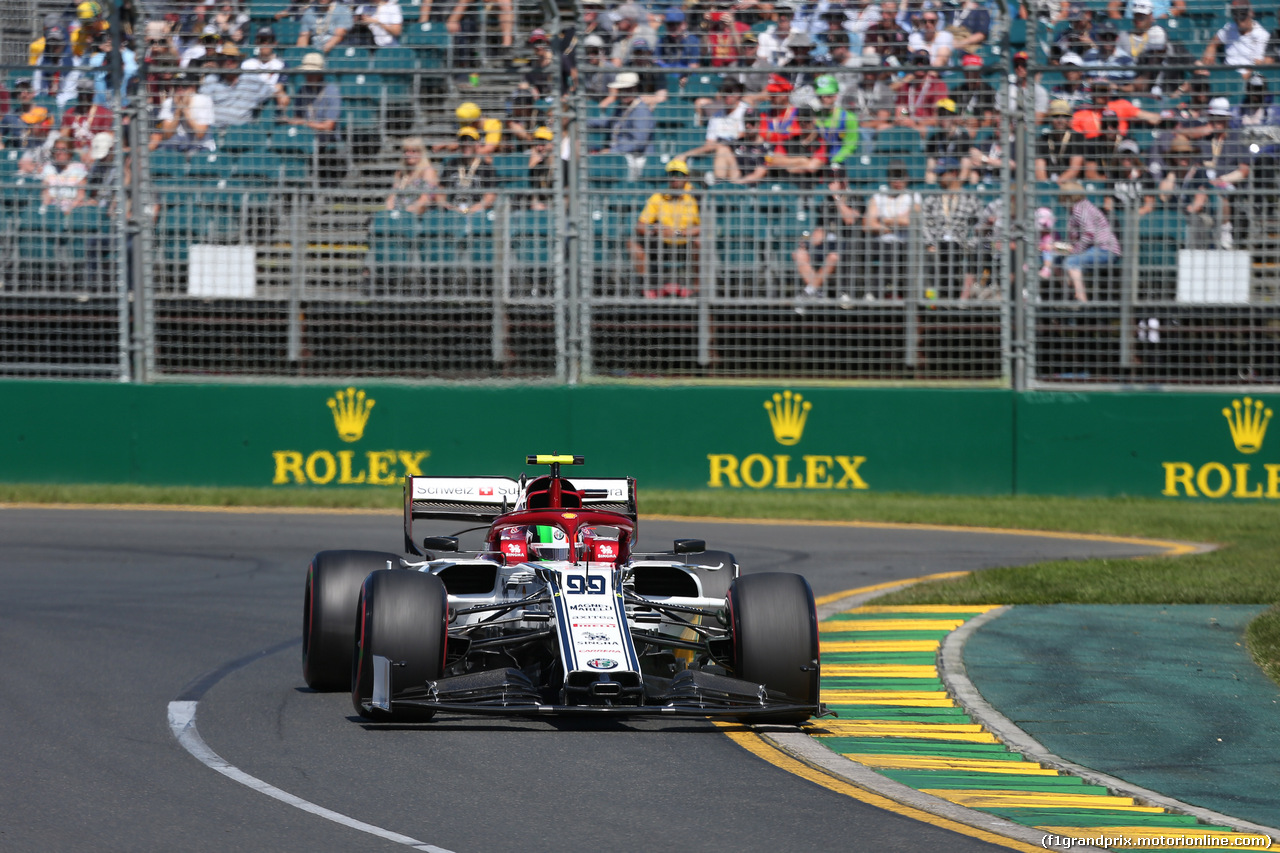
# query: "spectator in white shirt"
929, 37
384, 22
1244, 40
184, 119
1144, 36
265, 59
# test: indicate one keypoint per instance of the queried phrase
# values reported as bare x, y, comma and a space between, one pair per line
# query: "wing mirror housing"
689, 546
441, 543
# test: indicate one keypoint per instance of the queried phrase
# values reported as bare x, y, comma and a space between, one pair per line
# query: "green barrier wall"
1153, 444
842, 440
823, 439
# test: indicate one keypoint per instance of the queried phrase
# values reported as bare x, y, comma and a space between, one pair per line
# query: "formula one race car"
556, 615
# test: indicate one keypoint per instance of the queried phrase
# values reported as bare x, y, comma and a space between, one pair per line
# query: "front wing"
509, 692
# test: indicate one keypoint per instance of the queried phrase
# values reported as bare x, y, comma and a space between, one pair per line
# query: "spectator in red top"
1089, 121
724, 39
919, 94
85, 118
780, 132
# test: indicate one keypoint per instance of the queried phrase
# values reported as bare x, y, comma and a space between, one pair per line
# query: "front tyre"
775, 638
329, 614
403, 616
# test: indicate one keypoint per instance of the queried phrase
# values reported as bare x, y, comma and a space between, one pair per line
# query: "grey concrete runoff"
954, 676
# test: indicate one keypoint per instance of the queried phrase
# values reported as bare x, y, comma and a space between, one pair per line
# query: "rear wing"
483, 499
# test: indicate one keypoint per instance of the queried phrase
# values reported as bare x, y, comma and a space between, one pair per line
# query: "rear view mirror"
440, 543
689, 546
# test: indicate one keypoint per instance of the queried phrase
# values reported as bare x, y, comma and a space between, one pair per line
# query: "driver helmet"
548, 542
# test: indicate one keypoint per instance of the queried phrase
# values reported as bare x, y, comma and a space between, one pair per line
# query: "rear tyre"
715, 583
403, 616
329, 614
775, 639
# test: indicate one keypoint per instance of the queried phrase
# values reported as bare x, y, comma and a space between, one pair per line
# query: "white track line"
182, 722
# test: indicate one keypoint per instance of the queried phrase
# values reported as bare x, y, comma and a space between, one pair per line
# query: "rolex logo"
787, 414
1248, 422
350, 413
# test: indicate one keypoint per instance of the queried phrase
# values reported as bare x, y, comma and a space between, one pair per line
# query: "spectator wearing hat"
469, 180
975, 99
938, 43
185, 119
1093, 243
379, 24
13, 130
488, 129
829, 241
949, 217
1060, 151
667, 237
416, 181
596, 73
267, 64
1078, 37
1226, 160
542, 160
918, 95
677, 47
34, 139
779, 131
539, 75
1024, 88
1243, 40
325, 24
1185, 188
971, 26
50, 50
652, 85
1145, 35
1072, 89
317, 104
202, 50
951, 139
837, 126
632, 124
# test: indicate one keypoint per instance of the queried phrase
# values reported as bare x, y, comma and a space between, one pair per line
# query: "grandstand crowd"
893, 115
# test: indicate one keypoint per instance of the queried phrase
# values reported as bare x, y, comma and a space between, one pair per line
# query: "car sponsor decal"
596, 628
602, 663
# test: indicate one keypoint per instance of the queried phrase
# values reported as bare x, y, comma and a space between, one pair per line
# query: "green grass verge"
1244, 570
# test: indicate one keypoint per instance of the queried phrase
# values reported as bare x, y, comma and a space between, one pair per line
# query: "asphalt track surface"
106, 616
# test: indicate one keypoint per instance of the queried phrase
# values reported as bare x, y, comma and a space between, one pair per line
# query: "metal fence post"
296, 282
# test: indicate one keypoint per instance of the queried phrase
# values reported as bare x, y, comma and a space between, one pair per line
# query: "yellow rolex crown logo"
787, 414
350, 413
1248, 422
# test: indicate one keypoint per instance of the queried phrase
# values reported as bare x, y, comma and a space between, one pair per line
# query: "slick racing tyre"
329, 614
715, 582
402, 615
775, 639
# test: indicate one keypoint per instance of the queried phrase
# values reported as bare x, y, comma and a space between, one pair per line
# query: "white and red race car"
557, 614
